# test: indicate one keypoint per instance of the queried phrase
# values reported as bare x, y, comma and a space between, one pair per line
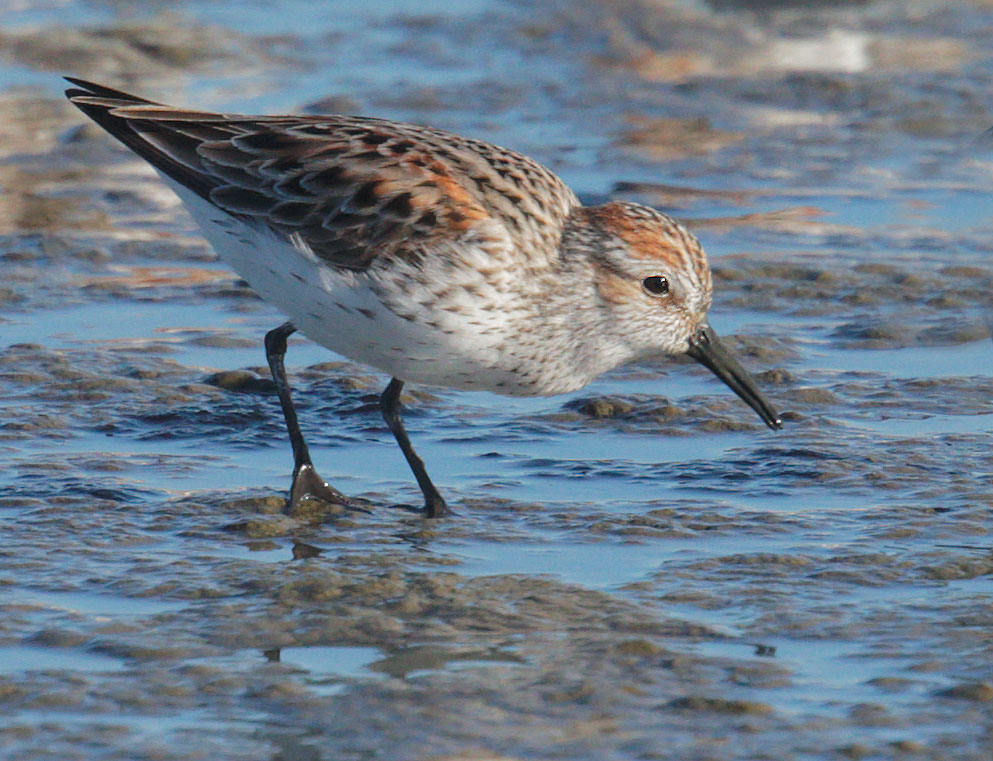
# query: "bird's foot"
309, 488
432, 508
436, 507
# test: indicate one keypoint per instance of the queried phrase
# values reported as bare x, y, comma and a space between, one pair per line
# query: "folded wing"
352, 189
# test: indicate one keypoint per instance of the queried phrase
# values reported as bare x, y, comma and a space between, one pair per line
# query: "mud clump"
720, 705
977, 692
601, 408
242, 381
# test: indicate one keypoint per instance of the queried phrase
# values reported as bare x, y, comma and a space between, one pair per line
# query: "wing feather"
355, 190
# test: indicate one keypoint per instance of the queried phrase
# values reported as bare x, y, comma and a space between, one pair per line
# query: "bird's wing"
352, 189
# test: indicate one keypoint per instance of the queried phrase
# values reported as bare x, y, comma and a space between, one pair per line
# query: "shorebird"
435, 258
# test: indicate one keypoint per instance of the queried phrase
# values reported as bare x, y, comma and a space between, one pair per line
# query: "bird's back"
353, 189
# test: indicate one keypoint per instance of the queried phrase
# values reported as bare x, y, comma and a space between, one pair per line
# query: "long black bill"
707, 349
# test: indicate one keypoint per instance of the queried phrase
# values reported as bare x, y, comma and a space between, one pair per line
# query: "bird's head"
651, 275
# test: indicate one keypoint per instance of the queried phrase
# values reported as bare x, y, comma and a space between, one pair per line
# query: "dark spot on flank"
342, 307
401, 147
374, 138
455, 218
299, 278
367, 313
429, 220
399, 205
368, 155
365, 196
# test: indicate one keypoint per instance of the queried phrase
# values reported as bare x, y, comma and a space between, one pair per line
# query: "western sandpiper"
435, 258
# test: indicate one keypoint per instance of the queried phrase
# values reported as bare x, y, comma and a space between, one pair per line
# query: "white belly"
341, 311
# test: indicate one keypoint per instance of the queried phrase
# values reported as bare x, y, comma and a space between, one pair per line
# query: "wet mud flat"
635, 571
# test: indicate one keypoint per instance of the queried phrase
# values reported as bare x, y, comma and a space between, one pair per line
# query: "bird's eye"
656, 285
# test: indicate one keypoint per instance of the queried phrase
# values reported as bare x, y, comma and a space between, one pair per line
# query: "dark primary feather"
351, 188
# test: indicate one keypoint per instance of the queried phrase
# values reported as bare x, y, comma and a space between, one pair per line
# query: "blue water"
744, 534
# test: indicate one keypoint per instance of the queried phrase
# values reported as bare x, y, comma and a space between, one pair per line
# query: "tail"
164, 136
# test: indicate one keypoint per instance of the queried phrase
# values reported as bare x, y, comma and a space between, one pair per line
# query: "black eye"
656, 285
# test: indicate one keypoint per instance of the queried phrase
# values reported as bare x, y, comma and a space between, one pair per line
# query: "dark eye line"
655, 285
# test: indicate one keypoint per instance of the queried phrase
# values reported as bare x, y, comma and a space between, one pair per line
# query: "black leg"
389, 403
306, 482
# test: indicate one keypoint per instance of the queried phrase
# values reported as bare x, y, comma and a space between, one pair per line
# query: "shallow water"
636, 571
